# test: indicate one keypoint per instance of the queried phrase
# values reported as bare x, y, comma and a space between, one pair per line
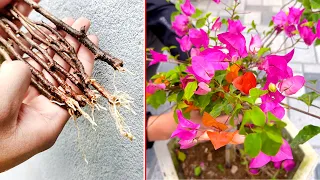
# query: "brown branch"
48, 67
299, 110
39, 75
117, 64
55, 66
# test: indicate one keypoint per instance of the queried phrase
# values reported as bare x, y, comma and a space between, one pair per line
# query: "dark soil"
213, 162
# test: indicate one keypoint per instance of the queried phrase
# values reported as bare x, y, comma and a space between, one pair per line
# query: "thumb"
14, 82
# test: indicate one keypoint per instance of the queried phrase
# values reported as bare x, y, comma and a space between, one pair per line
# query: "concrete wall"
119, 24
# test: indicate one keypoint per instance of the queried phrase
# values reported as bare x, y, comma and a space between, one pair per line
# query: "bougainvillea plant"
227, 74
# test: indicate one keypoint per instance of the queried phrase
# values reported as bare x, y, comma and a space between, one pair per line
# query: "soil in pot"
212, 164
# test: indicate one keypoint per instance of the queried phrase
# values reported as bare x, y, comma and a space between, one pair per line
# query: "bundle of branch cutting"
64, 95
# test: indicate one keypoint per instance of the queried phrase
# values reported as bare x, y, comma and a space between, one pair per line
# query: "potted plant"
245, 82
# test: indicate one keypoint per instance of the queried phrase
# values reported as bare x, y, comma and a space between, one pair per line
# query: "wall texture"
119, 24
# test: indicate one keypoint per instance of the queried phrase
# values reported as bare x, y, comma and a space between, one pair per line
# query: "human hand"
29, 122
161, 127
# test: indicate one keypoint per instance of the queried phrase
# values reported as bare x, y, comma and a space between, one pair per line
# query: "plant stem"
299, 110
309, 87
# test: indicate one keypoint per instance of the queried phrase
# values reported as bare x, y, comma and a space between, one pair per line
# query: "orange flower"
220, 139
245, 82
191, 108
233, 73
161, 79
209, 121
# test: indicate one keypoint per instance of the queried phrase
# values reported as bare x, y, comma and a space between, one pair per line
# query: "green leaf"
173, 47
172, 97
256, 92
224, 21
197, 171
250, 29
269, 146
313, 81
308, 98
315, 4
220, 76
253, 24
305, 134
250, 100
257, 116
157, 99
201, 22
252, 144
273, 133
272, 118
228, 108
246, 119
270, 23
203, 101
236, 17
317, 42
262, 51
189, 90
179, 96
197, 14
217, 109
306, 4
182, 156
173, 15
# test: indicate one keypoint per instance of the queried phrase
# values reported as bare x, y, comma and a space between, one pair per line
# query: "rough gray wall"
119, 24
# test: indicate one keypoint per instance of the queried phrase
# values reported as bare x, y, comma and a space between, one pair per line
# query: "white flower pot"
305, 157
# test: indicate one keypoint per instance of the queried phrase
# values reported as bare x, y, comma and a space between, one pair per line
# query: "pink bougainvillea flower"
255, 44
290, 30
306, 33
152, 88
216, 25
283, 157
187, 8
291, 85
185, 43
277, 66
280, 19
203, 89
318, 29
195, 52
278, 111
184, 81
294, 15
216, 58
202, 69
186, 129
235, 26
235, 43
199, 38
180, 25
216, 1
270, 103
185, 144
157, 57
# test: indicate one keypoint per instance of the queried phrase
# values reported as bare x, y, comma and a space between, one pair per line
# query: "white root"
79, 141
74, 105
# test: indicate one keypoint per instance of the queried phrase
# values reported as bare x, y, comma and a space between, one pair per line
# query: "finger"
86, 56
14, 82
77, 25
